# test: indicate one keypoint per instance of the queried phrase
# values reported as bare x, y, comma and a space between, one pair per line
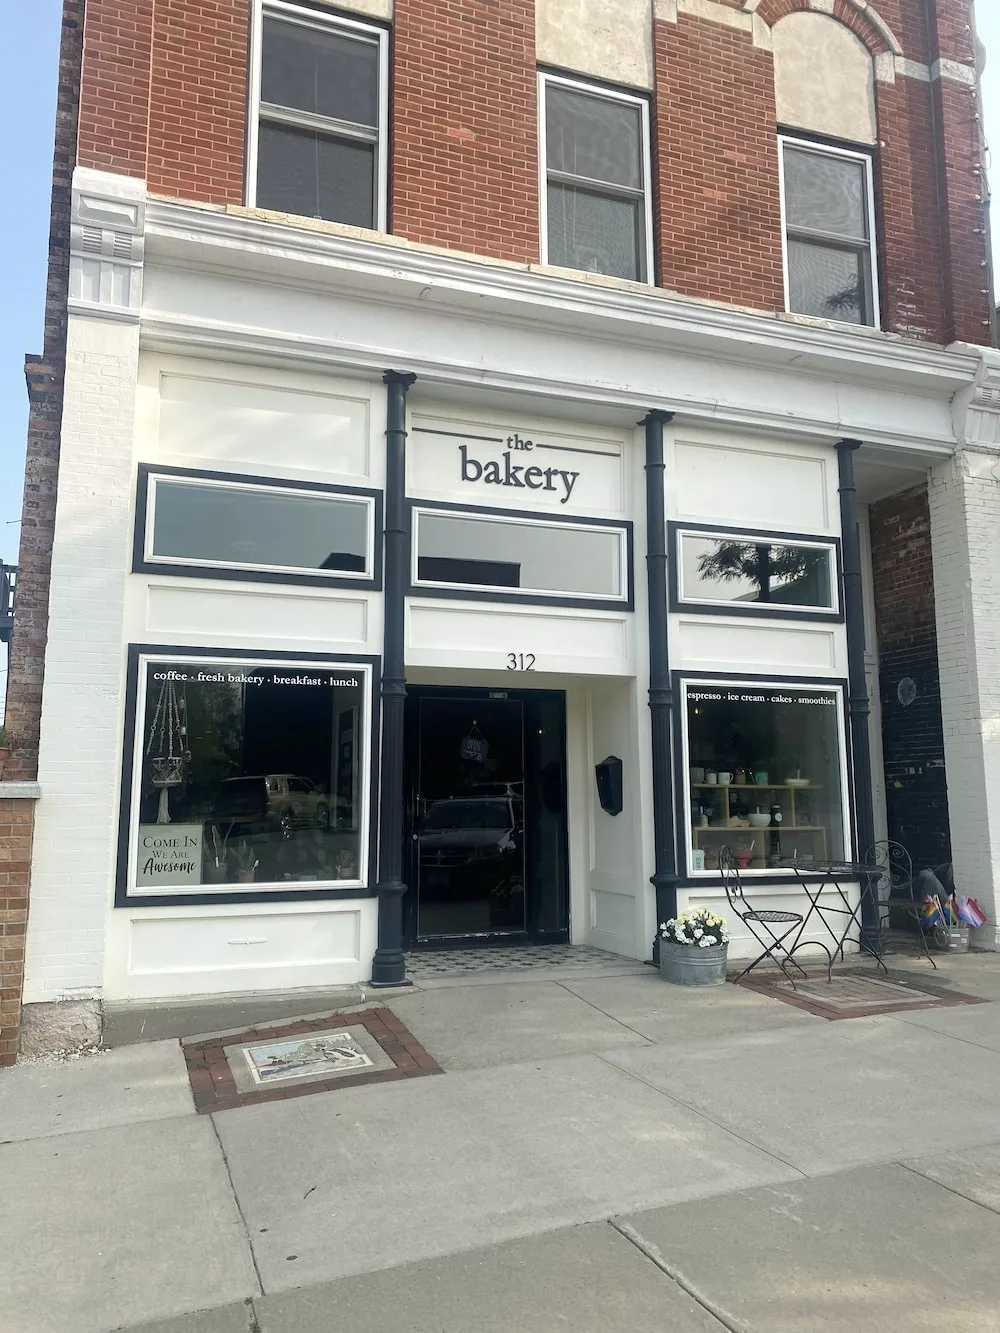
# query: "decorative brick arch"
862, 19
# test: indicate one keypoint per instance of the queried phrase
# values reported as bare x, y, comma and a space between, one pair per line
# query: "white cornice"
385, 270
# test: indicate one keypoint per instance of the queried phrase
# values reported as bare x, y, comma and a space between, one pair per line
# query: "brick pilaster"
718, 225
465, 126
16, 817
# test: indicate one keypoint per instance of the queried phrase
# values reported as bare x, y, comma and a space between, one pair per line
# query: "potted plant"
693, 948
4, 747
345, 864
245, 861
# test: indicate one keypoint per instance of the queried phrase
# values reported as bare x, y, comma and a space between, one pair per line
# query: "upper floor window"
829, 221
318, 147
596, 207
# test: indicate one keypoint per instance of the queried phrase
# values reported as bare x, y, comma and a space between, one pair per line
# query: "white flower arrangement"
699, 928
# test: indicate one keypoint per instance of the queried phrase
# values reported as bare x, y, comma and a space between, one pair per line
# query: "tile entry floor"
432, 963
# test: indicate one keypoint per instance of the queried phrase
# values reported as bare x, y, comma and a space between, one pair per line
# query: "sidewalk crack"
243, 1220
656, 1256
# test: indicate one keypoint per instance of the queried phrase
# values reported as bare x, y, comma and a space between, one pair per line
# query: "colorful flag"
930, 913
970, 912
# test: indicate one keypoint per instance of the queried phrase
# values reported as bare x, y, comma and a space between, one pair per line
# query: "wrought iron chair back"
895, 886
770, 927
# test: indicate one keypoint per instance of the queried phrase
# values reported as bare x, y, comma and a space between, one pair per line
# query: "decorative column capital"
107, 225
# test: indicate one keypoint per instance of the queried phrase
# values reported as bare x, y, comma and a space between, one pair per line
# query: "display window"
249, 776
755, 573
223, 526
498, 555
765, 768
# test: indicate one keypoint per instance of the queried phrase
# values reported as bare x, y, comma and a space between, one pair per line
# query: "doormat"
267, 1064
856, 994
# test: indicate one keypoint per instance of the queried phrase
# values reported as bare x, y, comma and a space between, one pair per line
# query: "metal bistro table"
816, 877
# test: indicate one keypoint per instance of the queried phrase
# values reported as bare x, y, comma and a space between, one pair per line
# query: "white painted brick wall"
964, 497
76, 819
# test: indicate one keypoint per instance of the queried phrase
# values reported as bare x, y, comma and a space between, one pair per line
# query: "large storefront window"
766, 770
248, 776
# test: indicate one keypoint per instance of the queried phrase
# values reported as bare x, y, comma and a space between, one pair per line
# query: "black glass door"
486, 816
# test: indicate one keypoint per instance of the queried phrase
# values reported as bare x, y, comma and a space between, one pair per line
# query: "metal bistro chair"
896, 889
769, 927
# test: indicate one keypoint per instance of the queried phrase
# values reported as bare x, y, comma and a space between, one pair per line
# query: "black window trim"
755, 610
421, 588
777, 876
140, 653
144, 563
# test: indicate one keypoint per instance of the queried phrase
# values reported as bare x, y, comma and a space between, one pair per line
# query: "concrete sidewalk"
604, 1152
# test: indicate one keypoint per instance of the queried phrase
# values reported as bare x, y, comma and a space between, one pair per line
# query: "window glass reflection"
740, 569
249, 775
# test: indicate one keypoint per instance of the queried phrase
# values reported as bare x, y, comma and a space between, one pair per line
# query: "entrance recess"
486, 816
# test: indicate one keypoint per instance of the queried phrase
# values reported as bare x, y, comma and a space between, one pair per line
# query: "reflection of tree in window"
778, 573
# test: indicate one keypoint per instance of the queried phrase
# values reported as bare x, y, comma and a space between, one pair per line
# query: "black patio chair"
898, 890
770, 927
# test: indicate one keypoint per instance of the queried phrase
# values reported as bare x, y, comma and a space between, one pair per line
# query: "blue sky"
29, 42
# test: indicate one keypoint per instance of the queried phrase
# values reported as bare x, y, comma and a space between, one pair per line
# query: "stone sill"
20, 791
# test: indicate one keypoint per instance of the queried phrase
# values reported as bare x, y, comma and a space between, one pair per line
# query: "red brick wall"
164, 96
716, 165
465, 126
16, 819
198, 102
114, 85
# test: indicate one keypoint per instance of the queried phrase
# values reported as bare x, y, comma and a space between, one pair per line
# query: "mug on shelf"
697, 774
724, 779
711, 778
760, 777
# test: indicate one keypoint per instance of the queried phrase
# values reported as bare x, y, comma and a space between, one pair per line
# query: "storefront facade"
465, 546
232, 615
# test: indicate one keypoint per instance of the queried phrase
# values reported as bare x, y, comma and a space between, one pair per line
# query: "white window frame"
317, 20
826, 150
237, 660
688, 599
835, 687
167, 562
505, 518
610, 95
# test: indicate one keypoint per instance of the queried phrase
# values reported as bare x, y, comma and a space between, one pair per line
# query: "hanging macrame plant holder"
474, 747
165, 748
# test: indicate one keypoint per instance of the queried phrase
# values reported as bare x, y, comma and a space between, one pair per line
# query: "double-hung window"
319, 143
595, 180
829, 221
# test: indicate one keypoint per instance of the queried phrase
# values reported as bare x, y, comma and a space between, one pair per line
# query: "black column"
389, 964
857, 687
661, 700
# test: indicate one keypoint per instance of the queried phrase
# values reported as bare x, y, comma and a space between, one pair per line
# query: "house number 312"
520, 661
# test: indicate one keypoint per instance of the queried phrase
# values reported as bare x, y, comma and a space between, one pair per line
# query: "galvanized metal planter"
688, 965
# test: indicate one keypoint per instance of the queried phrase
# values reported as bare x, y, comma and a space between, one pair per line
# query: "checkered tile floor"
461, 962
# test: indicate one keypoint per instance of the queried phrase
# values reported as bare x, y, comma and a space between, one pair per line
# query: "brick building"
547, 358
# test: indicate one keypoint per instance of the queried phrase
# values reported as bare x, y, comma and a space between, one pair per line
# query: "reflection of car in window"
274, 800
466, 830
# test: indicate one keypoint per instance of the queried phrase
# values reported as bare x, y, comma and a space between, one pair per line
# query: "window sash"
292, 572
502, 590
608, 189
863, 246
259, 110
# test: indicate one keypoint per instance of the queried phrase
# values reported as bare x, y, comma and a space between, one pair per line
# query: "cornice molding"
247, 246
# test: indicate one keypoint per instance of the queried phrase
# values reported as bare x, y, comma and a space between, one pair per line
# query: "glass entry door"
486, 816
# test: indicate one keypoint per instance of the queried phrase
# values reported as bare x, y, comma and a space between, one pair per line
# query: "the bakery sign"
514, 468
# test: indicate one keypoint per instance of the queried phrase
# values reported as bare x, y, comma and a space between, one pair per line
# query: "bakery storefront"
278, 788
